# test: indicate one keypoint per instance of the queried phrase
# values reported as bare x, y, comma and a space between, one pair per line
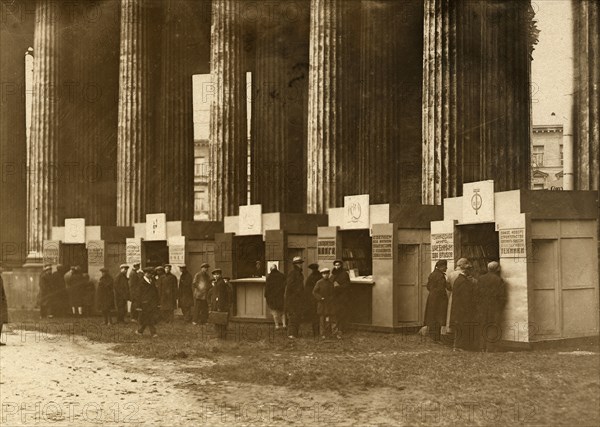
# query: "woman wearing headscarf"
463, 316
491, 299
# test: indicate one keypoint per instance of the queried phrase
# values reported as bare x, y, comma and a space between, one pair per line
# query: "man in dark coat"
148, 302
89, 293
105, 295
323, 294
167, 289
491, 299
274, 294
60, 303
46, 291
310, 304
294, 297
136, 276
122, 293
201, 286
186, 296
76, 286
463, 313
220, 300
3, 306
341, 289
437, 300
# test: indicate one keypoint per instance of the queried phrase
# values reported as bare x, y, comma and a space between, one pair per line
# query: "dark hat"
217, 271
148, 270
182, 266
338, 261
441, 263
48, 267
104, 269
297, 260
136, 263
167, 265
205, 265
159, 268
313, 266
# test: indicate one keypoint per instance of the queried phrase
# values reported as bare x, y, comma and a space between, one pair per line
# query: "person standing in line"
185, 293
149, 302
310, 304
3, 305
437, 300
341, 290
105, 295
168, 294
135, 282
220, 300
77, 286
122, 293
491, 299
89, 293
294, 297
464, 312
61, 305
201, 286
323, 294
274, 293
45, 292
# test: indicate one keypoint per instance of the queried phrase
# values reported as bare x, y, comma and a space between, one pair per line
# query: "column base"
21, 285
34, 260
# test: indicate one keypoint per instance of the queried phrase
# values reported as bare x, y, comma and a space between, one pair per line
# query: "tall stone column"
136, 176
176, 143
390, 101
228, 142
280, 89
45, 130
587, 94
476, 107
331, 157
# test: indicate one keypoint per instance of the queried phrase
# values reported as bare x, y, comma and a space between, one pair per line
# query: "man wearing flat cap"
294, 297
437, 300
491, 299
105, 295
201, 286
220, 300
310, 304
136, 275
341, 290
185, 293
148, 303
122, 293
323, 294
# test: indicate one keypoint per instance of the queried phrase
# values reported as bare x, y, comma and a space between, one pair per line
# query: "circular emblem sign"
476, 202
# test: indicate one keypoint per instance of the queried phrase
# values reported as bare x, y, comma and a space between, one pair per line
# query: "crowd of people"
145, 296
467, 307
322, 299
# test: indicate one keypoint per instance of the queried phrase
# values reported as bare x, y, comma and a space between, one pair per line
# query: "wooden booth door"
408, 284
545, 288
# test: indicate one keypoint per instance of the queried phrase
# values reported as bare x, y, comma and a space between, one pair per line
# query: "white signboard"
74, 230
250, 220
156, 226
478, 202
133, 250
513, 243
356, 212
176, 250
442, 246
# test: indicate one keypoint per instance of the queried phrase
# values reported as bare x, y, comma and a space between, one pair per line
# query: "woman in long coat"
437, 300
463, 315
491, 299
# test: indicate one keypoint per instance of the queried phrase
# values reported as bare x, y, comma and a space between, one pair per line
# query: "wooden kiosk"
158, 241
89, 246
267, 238
546, 243
385, 248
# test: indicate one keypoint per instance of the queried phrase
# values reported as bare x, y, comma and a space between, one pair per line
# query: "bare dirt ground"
87, 374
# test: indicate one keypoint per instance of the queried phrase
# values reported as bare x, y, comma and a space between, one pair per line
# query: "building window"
199, 199
538, 155
538, 186
200, 169
561, 154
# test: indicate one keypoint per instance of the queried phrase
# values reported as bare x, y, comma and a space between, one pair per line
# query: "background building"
547, 157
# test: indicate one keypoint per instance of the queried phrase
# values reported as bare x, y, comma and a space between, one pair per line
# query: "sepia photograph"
299, 212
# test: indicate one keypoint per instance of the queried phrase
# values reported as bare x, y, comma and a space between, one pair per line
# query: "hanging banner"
156, 226
442, 246
133, 250
176, 250
513, 243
